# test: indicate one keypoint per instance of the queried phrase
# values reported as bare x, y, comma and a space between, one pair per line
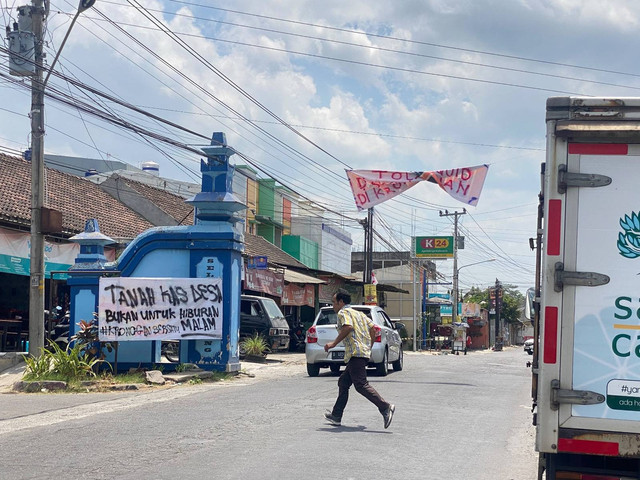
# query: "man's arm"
372, 334
344, 332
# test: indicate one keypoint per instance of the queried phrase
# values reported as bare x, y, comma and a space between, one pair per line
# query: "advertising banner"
470, 310
606, 343
298, 295
370, 294
265, 281
432, 247
136, 308
15, 249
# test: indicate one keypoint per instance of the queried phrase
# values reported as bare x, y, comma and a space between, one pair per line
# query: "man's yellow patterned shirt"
358, 343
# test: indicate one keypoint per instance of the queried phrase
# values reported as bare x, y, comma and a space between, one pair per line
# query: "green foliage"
512, 304
195, 381
512, 301
68, 364
37, 367
131, 377
255, 345
88, 338
182, 367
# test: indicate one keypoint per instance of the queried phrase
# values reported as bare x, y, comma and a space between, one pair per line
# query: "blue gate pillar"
216, 211
84, 274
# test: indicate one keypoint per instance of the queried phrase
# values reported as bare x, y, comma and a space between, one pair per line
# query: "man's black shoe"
332, 419
388, 415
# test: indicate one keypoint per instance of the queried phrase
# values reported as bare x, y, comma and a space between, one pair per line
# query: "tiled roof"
173, 205
77, 199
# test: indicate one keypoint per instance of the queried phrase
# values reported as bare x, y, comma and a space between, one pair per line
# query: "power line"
368, 47
404, 40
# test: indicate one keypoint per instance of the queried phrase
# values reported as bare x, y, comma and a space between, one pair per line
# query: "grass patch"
130, 377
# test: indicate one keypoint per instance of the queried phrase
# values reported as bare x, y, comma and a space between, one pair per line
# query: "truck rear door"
602, 229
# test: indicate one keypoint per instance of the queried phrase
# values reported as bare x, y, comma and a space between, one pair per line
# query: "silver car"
386, 349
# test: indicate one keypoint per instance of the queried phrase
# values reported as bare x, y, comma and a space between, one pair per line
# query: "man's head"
340, 299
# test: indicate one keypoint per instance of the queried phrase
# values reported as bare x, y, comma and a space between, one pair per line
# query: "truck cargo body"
586, 366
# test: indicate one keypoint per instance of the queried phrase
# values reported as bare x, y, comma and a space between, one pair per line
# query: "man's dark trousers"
355, 374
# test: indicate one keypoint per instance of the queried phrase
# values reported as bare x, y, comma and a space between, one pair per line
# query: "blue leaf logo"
629, 238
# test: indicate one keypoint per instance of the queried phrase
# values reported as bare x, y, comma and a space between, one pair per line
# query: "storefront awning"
297, 277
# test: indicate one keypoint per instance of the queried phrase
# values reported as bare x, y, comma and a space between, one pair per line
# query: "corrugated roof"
297, 277
255, 246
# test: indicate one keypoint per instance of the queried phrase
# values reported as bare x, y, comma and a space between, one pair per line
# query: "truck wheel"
382, 368
313, 370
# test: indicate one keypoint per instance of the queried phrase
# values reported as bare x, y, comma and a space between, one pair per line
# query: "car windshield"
327, 317
272, 309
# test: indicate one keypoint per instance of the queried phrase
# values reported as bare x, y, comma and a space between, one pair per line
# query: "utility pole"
36, 264
455, 215
32, 19
367, 224
498, 299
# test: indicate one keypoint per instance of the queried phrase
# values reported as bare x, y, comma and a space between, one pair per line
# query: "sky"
306, 89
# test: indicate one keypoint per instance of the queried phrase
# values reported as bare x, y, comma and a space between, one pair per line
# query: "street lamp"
454, 310
36, 268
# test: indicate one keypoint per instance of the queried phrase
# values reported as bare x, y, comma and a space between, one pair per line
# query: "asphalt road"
456, 417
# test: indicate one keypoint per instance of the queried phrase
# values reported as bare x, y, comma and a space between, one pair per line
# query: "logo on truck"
629, 238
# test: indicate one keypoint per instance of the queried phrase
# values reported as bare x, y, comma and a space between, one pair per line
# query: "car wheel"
382, 368
399, 364
530, 352
313, 370
335, 368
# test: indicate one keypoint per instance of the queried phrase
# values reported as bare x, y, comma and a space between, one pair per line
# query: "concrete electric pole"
36, 269
455, 215
33, 18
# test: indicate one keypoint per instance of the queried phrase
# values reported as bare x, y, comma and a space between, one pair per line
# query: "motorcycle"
297, 335
171, 350
59, 334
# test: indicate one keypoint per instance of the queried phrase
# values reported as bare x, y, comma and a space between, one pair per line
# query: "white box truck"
586, 363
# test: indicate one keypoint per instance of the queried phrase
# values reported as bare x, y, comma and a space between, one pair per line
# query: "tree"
512, 304
512, 301
475, 295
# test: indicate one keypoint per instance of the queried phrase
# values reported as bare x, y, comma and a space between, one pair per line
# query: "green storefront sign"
432, 247
20, 266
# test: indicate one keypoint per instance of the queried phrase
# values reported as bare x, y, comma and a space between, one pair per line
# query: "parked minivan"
263, 316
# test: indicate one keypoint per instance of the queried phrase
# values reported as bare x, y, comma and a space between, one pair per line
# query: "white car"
528, 346
386, 349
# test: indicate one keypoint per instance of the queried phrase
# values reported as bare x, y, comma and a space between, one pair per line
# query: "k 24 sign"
432, 247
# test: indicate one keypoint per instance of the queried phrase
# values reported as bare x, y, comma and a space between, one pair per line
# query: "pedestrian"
358, 333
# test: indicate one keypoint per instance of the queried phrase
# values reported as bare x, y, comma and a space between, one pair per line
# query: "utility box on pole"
21, 53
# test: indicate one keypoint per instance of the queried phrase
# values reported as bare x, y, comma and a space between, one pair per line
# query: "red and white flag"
371, 187
374, 280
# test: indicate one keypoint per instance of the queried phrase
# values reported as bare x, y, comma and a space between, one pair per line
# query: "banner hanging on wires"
371, 187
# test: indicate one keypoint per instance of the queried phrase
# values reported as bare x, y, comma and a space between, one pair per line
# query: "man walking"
358, 333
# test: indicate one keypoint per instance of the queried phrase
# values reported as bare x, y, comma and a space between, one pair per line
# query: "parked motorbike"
297, 335
171, 350
60, 332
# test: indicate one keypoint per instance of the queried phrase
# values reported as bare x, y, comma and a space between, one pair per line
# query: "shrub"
255, 345
68, 364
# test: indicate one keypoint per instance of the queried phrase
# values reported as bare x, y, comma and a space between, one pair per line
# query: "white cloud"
424, 121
